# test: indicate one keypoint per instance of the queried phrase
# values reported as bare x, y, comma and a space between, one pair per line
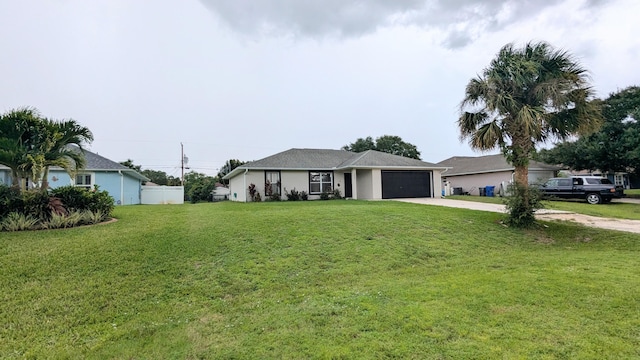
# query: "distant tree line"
197, 186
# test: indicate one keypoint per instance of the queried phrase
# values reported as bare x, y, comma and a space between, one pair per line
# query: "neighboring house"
221, 192
618, 178
122, 183
468, 174
369, 175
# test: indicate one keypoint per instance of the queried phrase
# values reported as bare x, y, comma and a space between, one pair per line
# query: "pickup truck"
594, 189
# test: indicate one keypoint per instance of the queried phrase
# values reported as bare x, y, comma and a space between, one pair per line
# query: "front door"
347, 185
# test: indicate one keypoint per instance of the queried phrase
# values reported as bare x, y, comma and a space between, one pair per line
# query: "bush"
18, 222
295, 195
79, 199
10, 200
521, 205
254, 194
331, 194
35, 203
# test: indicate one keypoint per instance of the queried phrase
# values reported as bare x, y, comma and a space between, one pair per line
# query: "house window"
84, 180
320, 181
271, 183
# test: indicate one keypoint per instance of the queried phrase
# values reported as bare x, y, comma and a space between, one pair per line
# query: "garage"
405, 184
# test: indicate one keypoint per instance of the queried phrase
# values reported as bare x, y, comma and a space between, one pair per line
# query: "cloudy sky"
246, 79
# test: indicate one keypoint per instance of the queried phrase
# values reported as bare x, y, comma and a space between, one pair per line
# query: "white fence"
162, 195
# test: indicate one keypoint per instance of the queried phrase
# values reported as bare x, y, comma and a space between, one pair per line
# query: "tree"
62, 146
14, 136
386, 143
227, 168
129, 163
30, 144
525, 97
198, 186
615, 148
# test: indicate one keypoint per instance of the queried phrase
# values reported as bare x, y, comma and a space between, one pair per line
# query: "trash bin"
489, 190
457, 191
482, 191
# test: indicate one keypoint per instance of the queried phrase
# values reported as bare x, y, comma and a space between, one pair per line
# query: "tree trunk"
45, 179
522, 175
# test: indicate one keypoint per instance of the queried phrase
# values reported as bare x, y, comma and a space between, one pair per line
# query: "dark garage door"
405, 184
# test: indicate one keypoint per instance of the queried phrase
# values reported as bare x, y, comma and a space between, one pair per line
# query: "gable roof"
326, 159
96, 162
467, 165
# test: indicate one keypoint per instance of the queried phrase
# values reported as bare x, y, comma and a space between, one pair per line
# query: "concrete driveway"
543, 214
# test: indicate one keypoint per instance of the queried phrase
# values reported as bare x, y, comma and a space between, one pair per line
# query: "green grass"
321, 279
632, 193
615, 209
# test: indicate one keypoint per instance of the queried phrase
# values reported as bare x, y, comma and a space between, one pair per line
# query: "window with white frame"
272, 183
84, 180
320, 181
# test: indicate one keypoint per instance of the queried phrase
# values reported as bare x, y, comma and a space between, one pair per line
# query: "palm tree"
30, 144
525, 97
16, 128
62, 146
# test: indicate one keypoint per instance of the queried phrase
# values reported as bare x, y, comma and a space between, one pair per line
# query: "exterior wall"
239, 185
4, 177
124, 189
289, 180
364, 179
471, 183
162, 195
298, 180
436, 184
540, 176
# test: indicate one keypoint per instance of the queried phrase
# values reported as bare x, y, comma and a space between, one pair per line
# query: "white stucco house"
370, 175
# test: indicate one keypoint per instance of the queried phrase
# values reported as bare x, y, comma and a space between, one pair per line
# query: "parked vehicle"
594, 189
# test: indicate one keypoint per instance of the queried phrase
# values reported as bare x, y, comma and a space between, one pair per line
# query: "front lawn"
318, 279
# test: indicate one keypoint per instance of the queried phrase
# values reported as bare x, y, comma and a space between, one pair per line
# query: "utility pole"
182, 163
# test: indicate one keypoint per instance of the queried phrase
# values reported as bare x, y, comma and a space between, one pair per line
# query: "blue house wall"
4, 177
107, 181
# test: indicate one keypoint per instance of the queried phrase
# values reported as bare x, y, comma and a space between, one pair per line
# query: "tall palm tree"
525, 97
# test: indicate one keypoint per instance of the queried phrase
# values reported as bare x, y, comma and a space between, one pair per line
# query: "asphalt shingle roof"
464, 165
325, 159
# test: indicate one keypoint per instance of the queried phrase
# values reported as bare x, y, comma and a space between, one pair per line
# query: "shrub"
329, 194
57, 221
521, 205
80, 199
35, 203
295, 195
89, 217
10, 200
254, 194
18, 222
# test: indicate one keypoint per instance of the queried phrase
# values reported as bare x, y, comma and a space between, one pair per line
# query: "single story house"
369, 175
468, 174
619, 178
122, 183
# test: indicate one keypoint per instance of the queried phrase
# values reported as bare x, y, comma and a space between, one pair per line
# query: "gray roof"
96, 162
467, 165
325, 159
